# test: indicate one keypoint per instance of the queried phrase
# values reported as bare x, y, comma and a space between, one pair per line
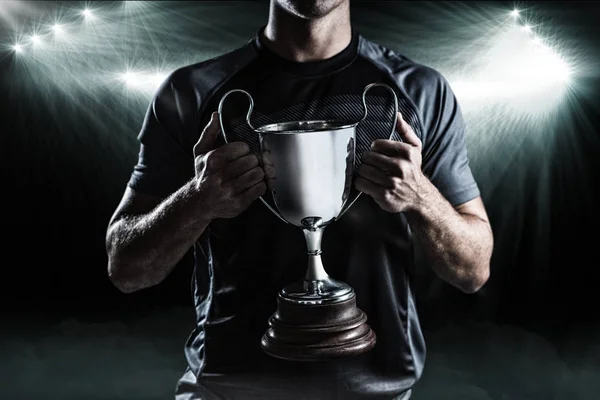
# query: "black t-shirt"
242, 263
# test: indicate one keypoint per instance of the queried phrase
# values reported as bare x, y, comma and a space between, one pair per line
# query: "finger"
381, 162
247, 180
368, 187
253, 192
240, 166
231, 151
269, 171
375, 175
208, 137
391, 148
406, 132
266, 158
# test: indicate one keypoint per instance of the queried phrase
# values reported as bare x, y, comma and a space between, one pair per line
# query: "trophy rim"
305, 126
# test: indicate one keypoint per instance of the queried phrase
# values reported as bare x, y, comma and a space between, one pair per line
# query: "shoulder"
412, 75
211, 71
426, 88
187, 87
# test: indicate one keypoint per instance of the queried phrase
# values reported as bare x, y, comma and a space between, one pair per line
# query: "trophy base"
317, 332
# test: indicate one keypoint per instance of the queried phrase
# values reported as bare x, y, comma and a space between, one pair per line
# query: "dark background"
66, 152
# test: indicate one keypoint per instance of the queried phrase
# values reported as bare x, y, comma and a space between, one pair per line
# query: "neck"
301, 40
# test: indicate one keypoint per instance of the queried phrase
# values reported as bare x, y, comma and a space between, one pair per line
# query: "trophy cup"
309, 168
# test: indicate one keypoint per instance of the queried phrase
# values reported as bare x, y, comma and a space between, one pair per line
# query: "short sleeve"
445, 159
165, 160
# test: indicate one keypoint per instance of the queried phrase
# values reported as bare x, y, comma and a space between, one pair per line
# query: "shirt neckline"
309, 68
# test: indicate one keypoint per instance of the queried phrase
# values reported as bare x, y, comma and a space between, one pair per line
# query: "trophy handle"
248, 116
348, 204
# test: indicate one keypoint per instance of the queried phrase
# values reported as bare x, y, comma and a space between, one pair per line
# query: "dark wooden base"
302, 332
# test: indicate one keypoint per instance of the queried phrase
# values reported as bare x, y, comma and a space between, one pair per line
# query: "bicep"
445, 158
165, 158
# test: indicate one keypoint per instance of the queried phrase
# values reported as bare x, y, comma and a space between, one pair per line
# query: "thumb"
208, 137
406, 132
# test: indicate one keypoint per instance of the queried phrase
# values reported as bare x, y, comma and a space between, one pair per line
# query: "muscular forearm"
458, 245
143, 249
457, 241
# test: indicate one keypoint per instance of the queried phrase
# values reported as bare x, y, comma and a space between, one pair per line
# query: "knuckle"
210, 159
419, 141
265, 158
254, 193
269, 172
226, 191
236, 207
399, 169
252, 175
211, 163
401, 173
238, 203
388, 196
258, 191
253, 161
262, 188
242, 147
401, 150
216, 181
226, 148
246, 162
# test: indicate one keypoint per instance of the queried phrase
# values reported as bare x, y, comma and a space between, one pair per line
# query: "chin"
310, 9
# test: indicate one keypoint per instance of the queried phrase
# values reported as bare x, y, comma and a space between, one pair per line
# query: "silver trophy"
309, 169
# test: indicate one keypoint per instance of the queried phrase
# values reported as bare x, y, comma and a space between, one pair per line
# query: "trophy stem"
317, 319
315, 271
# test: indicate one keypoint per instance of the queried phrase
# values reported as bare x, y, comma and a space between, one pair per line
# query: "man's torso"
242, 263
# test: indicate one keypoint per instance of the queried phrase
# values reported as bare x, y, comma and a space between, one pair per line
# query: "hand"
268, 165
391, 172
229, 177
